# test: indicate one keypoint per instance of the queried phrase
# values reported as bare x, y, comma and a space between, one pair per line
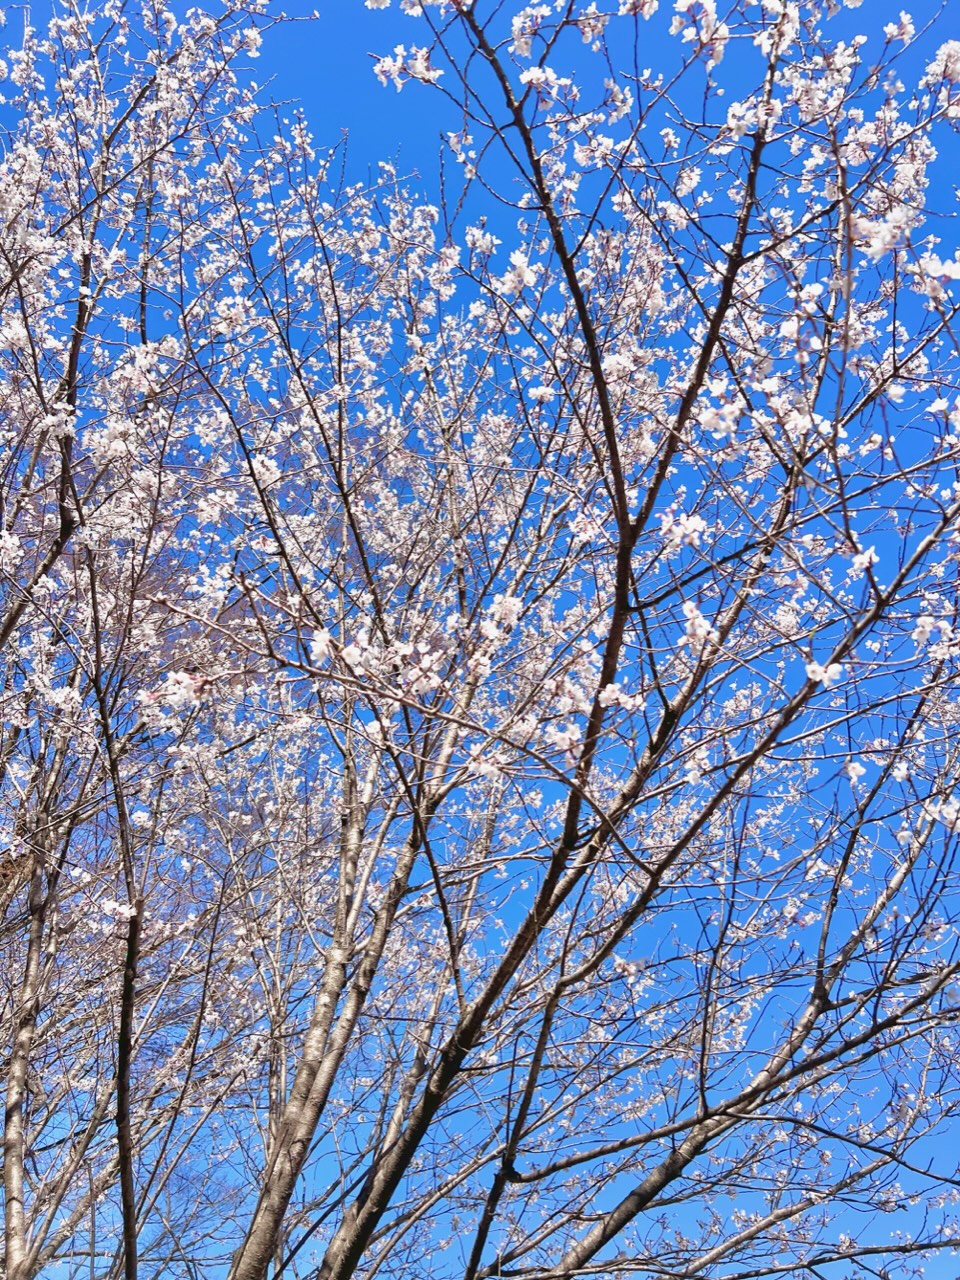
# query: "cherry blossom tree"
479, 670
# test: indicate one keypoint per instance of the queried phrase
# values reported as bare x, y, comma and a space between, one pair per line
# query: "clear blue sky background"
324, 65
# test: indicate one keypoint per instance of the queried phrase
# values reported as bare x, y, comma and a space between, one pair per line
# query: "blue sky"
324, 66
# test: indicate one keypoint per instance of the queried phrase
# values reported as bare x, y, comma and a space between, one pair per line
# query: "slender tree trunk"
14, 1135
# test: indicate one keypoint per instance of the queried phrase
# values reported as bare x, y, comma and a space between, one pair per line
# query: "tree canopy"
479, 652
